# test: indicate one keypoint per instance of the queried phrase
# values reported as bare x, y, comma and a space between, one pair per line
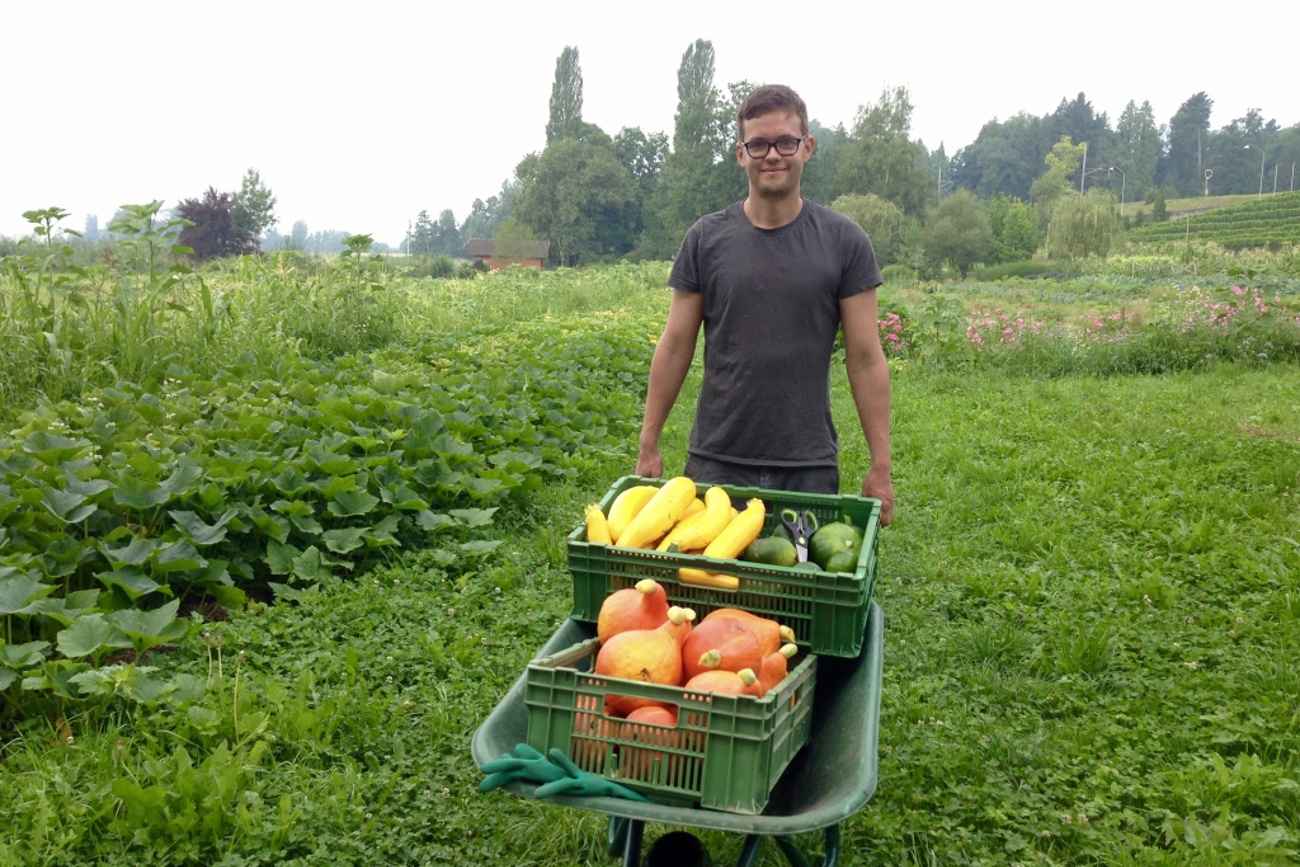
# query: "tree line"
1021, 184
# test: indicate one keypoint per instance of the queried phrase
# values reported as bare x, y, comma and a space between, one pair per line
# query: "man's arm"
668, 369
868, 372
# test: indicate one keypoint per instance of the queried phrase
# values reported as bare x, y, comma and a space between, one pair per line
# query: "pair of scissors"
800, 524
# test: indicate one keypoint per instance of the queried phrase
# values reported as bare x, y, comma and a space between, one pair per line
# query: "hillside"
1243, 222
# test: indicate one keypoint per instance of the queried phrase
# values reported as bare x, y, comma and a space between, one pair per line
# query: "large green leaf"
137, 492
200, 532
149, 628
179, 556
344, 540
136, 553
352, 503
68, 507
53, 449
23, 655
91, 635
132, 579
19, 592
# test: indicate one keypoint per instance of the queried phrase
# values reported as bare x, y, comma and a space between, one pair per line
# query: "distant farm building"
529, 254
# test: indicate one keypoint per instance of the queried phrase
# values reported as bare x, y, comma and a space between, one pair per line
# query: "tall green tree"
700, 175
1077, 120
1016, 232
423, 236
577, 195
252, 209
1064, 162
1183, 169
485, 216
1137, 149
883, 159
1084, 225
958, 231
1004, 158
565, 119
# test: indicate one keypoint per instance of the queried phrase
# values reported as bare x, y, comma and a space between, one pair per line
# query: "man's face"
774, 175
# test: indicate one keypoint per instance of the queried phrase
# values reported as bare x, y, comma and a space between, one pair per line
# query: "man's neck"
768, 213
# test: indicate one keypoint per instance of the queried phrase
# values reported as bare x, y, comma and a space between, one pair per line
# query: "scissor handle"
801, 524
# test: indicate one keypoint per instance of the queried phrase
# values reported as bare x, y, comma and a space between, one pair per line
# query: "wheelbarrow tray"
830, 779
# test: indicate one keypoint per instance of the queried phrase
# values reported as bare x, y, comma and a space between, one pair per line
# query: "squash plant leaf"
179, 556
200, 532
132, 580
312, 565
68, 507
66, 609
352, 503
91, 635
345, 540
146, 629
182, 481
135, 553
279, 557
475, 517
136, 492
53, 449
432, 521
19, 593
22, 655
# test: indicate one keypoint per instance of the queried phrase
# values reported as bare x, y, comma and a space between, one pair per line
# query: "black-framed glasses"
786, 147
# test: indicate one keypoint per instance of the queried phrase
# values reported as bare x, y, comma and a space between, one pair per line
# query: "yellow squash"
625, 507
695, 532
659, 515
739, 532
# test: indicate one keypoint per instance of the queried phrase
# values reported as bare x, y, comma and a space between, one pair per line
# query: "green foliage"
1016, 233
252, 209
565, 119
882, 221
1101, 565
1083, 225
958, 231
1270, 222
578, 196
1056, 183
882, 159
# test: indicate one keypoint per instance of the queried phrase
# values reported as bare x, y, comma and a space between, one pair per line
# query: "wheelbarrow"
828, 781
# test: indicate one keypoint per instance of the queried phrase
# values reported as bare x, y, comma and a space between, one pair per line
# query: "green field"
354, 487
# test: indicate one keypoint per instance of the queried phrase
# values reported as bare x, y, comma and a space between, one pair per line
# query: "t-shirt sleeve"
685, 273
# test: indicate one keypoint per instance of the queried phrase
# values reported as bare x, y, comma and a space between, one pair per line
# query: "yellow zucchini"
625, 507
739, 532
597, 526
659, 515
703, 578
695, 533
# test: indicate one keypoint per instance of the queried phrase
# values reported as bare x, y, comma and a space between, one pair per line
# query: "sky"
358, 117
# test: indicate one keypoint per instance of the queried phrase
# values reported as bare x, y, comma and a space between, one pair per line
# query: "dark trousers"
812, 480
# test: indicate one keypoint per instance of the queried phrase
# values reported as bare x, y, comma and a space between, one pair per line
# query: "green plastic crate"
726, 753
826, 610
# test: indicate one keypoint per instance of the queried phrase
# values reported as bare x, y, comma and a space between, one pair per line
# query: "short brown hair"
767, 98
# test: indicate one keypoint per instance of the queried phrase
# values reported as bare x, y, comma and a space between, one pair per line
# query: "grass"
1091, 603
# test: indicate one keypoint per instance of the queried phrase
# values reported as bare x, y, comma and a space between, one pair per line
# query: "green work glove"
576, 781
527, 764
556, 774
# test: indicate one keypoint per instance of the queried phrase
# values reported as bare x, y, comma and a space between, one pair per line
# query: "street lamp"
1123, 180
1262, 157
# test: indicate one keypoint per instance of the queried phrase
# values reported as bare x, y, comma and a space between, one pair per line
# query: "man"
772, 279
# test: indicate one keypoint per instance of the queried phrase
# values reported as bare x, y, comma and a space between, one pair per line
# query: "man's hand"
879, 486
650, 463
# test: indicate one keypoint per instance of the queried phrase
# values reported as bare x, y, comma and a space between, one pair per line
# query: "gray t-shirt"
771, 315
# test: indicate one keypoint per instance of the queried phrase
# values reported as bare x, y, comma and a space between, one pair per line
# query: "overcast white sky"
360, 116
